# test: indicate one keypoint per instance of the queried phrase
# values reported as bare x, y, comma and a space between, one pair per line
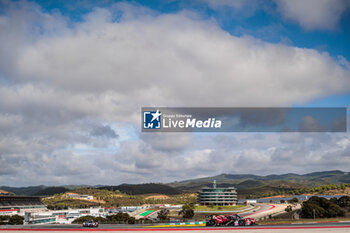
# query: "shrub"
187, 211
16, 220
163, 215
344, 201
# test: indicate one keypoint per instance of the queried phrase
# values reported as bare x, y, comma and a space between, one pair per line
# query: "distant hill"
27, 191
5, 193
39, 190
51, 191
135, 189
252, 184
246, 184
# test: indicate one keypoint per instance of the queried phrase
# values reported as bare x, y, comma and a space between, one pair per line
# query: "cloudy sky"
75, 74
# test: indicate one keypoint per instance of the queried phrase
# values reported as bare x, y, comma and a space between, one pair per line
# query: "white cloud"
58, 85
313, 14
166, 64
310, 124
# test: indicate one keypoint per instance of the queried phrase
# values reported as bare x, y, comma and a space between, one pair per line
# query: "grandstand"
20, 204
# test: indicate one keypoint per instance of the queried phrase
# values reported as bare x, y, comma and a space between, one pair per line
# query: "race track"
312, 228
263, 209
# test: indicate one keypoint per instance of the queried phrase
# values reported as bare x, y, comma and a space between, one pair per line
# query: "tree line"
320, 207
320, 189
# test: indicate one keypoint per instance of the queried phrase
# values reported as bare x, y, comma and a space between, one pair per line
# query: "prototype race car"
229, 220
90, 223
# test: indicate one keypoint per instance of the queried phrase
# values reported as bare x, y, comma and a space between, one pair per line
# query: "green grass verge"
146, 213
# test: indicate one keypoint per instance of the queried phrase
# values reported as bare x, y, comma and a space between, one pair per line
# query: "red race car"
229, 220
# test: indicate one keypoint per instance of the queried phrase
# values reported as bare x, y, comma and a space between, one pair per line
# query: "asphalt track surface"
262, 208
317, 227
